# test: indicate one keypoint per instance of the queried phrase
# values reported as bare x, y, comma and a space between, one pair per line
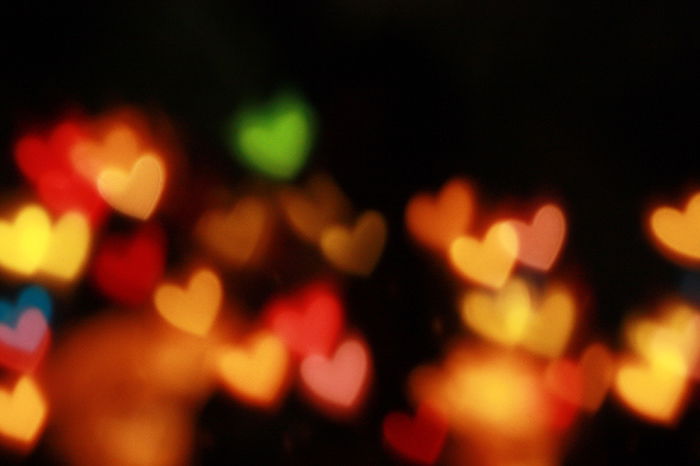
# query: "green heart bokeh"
274, 139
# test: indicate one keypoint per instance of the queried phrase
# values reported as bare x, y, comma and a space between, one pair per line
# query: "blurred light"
419, 439
438, 220
677, 232
22, 412
540, 242
33, 296
23, 345
239, 235
308, 321
127, 268
356, 251
338, 384
194, 308
310, 210
30, 245
490, 261
274, 139
255, 372
135, 193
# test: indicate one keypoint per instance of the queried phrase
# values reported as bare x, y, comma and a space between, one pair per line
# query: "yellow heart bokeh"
502, 317
678, 232
22, 411
30, 245
68, 248
134, 193
236, 235
671, 341
356, 251
193, 309
549, 328
255, 373
24, 242
651, 391
488, 262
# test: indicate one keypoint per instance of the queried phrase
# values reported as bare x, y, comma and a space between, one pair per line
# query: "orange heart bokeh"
437, 221
193, 309
356, 251
487, 262
256, 373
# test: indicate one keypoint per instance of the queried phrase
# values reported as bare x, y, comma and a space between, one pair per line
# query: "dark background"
595, 104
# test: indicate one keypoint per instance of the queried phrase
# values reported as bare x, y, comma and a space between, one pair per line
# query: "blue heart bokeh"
33, 296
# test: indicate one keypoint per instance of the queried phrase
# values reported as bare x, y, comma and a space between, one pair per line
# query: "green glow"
274, 139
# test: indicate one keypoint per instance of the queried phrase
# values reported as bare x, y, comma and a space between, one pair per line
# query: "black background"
594, 104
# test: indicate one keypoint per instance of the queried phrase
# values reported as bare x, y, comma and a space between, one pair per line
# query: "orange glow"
678, 232
539, 242
651, 391
356, 251
312, 209
22, 412
192, 309
490, 261
136, 192
237, 236
437, 221
338, 384
256, 373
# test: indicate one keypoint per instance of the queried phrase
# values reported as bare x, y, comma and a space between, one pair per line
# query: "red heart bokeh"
127, 268
419, 439
308, 321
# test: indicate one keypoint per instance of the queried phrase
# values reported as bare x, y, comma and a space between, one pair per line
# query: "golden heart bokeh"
22, 411
652, 391
255, 372
676, 231
356, 251
134, 193
192, 309
488, 262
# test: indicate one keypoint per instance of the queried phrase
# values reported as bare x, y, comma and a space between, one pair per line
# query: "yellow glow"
22, 411
23, 243
137, 192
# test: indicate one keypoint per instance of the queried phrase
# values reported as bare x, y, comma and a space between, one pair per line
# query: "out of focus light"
239, 235
356, 250
337, 384
194, 308
488, 262
135, 193
29, 244
309, 321
255, 372
274, 139
437, 221
539, 242
678, 232
22, 411
309, 211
